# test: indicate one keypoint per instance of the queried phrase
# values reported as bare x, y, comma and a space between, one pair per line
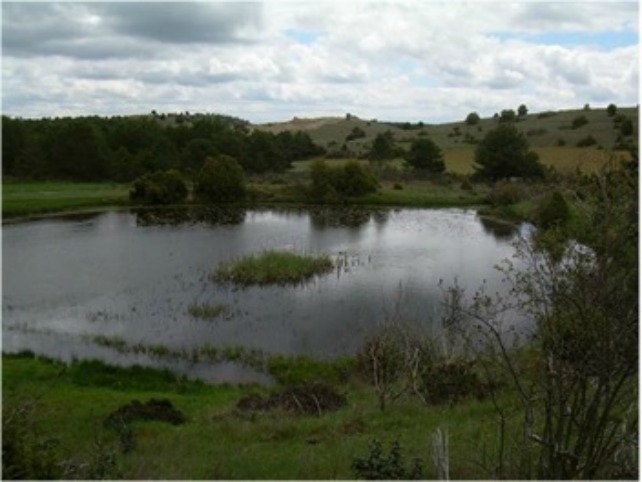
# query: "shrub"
450, 382
466, 185
505, 193
536, 132
220, 180
426, 155
504, 152
579, 121
356, 133
507, 116
472, 118
330, 184
626, 127
163, 187
611, 110
553, 211
561, 142
379, 466
587, 141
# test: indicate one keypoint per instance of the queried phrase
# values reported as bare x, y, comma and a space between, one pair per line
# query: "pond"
89, 286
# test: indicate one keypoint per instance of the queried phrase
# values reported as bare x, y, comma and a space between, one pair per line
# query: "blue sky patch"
303, 36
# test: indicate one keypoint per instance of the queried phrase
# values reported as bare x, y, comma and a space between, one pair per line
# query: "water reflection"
118, 280
180, 216
500, 230
332, 216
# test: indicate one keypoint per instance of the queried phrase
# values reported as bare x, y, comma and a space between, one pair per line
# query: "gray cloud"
184, 22
124, 30
576, 16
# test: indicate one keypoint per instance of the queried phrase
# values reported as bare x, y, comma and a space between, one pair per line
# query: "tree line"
121, 149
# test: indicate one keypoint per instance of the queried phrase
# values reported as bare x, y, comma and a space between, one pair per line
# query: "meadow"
34, 198
219, 441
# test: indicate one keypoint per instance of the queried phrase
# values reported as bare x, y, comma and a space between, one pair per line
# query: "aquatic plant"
273, 267
207, 311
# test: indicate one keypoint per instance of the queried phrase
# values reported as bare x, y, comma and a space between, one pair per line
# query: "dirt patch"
309, 399
153, 409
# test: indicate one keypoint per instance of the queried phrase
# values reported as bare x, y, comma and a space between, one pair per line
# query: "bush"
504, 152
579, 121
451, 382
587, 141
507, 115
472, 119
553, 211
611, 110
626, 127
330, 184
378, 466
505, 193
426, 155
220, 180
163, 187
522, 110
356, 133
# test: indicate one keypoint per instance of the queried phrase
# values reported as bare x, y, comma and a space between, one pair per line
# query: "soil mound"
153, 409
309, 399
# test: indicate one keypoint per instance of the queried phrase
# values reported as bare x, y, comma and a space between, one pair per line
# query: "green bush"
221, 180
424, 154
579, 121
626, 127
503, 153
163, 187
553, 211
505, 193
587, 141
472, 119
451, 382
379, 466
331, 184
611, 110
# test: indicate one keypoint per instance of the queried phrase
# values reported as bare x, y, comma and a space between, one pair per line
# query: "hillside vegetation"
550, 134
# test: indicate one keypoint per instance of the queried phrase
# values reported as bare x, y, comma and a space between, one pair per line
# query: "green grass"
218, 442
273, 267
207, 311
33, 198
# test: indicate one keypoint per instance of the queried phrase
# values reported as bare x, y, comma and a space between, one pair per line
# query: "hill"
551, 134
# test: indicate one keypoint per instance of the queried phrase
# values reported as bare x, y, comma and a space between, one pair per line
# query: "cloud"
400, 60
182, 22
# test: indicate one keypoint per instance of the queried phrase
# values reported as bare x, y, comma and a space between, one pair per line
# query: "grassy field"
30, 198
542, 129
218, 441
460, 160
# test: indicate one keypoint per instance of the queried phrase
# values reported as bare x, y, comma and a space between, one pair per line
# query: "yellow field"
565, 159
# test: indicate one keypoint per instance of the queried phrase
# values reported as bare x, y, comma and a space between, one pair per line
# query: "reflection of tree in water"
176, 216
500, 230
350, 216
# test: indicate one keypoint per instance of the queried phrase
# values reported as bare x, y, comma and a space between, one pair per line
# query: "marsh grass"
273, 267
207, 311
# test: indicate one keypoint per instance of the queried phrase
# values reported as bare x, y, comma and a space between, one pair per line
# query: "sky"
273, 60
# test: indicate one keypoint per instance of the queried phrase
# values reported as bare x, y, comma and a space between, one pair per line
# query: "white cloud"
390, 60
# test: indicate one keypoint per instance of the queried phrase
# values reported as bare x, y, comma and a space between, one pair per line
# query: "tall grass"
273, 267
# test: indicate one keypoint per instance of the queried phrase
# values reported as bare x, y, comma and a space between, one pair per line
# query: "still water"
133, 275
